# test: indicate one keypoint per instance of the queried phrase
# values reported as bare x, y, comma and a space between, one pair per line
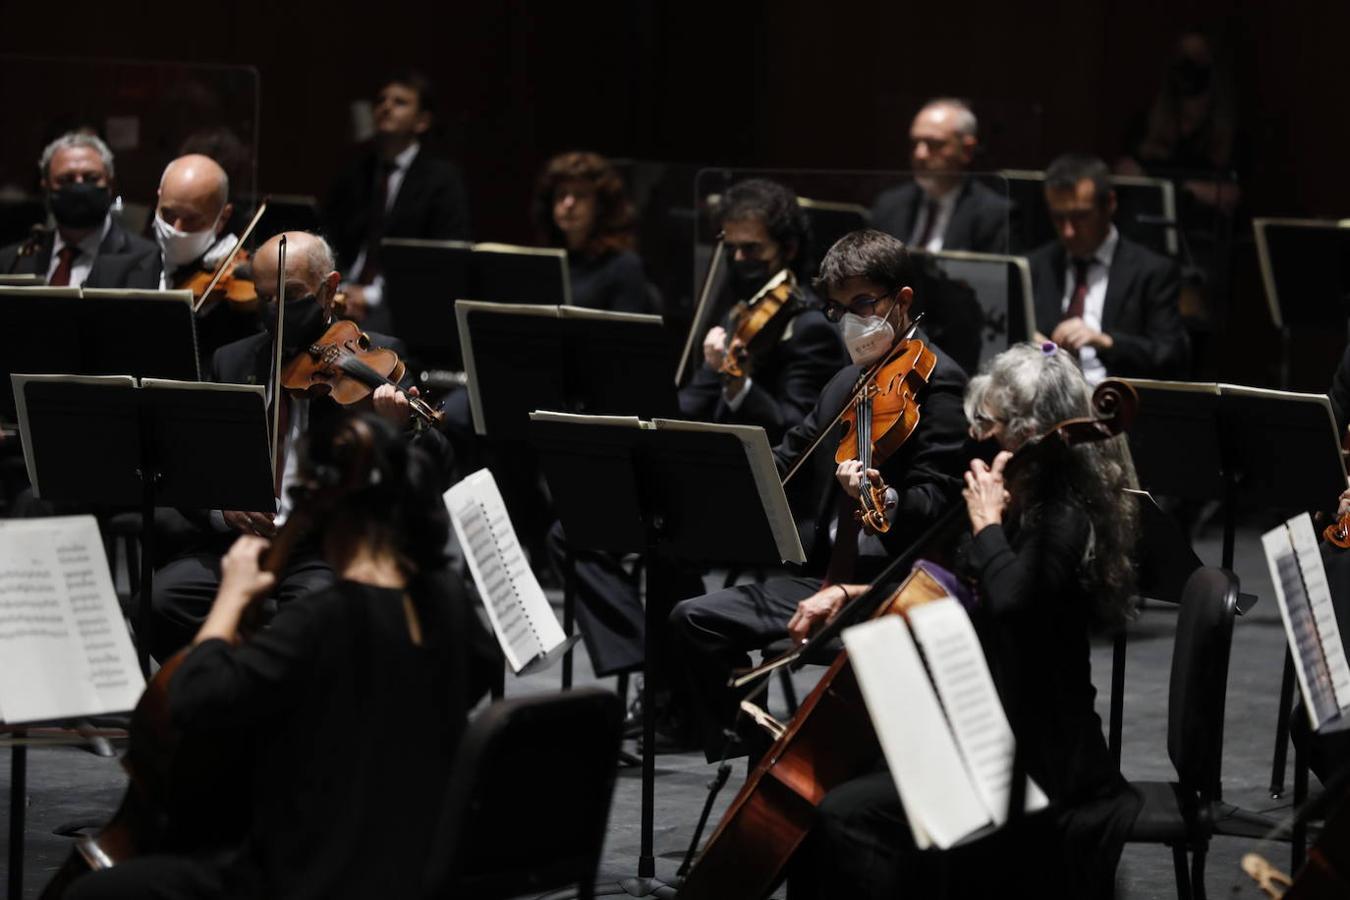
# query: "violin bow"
225, 261
863, 381
277, 399
701, 311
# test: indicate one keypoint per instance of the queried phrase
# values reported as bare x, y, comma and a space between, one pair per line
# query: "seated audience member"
581, 206
192, 229
1098, 294
867, 276
379, 669
184, 587
88, 247
396, 189
1049, 551
943, 208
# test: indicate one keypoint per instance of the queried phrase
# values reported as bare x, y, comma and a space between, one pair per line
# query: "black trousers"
713, 635
185, 589
159, 877
609, 608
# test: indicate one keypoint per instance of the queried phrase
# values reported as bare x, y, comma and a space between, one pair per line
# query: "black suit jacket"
926, 471
124, 260
1140, 311
430, 204
979, 221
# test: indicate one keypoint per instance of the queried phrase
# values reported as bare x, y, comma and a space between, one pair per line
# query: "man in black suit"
394, 190
943, 208
184, 589
1098, 294
88, 247
867, 276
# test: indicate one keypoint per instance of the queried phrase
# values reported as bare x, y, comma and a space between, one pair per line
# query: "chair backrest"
1199, 681
528, 799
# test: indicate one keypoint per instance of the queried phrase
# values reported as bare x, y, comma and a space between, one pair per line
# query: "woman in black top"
580, 205
350, 703
1049, 556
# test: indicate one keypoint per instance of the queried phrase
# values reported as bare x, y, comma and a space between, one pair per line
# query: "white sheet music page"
516, 606
961, 674
1304, 600
64, 647
935, 789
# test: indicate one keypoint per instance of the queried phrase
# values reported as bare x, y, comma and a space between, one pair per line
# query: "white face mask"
182, 247
867, 337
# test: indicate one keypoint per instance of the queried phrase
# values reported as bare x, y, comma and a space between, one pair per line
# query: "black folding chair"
528, 800
1181, 813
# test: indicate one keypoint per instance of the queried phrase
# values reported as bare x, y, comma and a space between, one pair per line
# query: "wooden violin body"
759, 323
234, 285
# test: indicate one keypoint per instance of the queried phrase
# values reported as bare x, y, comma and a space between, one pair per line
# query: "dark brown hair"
614, 216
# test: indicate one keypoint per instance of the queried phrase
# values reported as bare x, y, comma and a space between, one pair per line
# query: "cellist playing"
867, 277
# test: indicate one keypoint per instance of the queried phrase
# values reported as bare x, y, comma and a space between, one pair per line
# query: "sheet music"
768, 483
521, 617
966, 689
64, 647
1304, 598
940, 802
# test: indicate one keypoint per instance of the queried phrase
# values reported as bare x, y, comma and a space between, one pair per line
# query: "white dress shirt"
375, 290
84, 259
1098, 273
946, 205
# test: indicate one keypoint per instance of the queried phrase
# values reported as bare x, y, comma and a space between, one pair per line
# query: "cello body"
828, 742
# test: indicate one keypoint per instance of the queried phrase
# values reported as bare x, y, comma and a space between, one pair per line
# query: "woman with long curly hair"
580, 205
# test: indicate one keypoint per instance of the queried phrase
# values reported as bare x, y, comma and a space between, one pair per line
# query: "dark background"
786, 83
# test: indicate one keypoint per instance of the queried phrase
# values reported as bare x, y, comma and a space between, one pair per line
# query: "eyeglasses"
860, 306
983, 423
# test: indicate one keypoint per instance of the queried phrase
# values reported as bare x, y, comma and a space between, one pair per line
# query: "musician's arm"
1044, 563
926, 472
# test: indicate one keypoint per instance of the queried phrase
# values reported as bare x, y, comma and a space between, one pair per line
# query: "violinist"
1050, 557
191, 227
379, 667
765, 231
183, 589
88, 247
867, 276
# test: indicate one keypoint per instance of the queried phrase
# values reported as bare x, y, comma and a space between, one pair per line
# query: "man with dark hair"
395, 189
1098, 294
943, 208
88, 247
765, 235
867, 276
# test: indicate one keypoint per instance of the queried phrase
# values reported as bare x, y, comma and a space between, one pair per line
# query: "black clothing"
1140, 311
124, 260
338, 672
713, 634
613, 281
979, 220
1340, 394
430, 204
1034, 619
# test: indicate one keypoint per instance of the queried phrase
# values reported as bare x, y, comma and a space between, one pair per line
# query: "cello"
830, 739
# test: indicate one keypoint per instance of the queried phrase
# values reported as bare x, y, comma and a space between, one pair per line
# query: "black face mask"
985, 449
79, 205
1190, 78
304, 321
748, 276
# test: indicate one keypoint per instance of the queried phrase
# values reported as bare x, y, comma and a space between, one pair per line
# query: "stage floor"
68, 784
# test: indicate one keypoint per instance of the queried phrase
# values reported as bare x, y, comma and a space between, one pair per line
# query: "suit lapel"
1050, 298
958, 227
408, 191
1118, 279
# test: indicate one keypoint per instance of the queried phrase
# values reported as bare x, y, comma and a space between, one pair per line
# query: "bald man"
191, 227
185, 588
943, 208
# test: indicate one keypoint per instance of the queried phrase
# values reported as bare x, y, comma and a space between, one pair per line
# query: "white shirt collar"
404, 159
1106, 251
89, 246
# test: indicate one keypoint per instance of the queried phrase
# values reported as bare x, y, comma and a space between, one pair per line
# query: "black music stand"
675, 496
164, 443
1218, 442
146, 334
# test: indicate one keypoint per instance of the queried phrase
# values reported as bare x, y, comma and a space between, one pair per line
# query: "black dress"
612, 281
352, 729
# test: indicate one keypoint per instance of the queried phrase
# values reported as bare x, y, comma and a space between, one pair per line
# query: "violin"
234, 285
830, 739
759, 324
180, 795
343, 365
1338, 532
